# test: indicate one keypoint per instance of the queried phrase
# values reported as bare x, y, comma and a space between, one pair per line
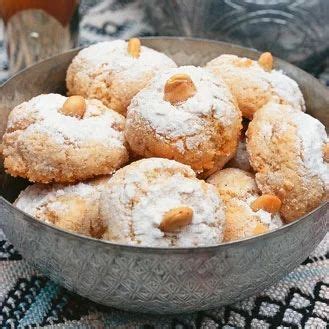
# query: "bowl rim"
166, 250
175, 250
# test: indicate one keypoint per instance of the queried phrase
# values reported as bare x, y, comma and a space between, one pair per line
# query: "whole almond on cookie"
260, 229
176, 218
267, 202
179, 88
74, 106
134, 47
266, 61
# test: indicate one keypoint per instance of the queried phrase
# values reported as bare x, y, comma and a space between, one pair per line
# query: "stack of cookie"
143, 152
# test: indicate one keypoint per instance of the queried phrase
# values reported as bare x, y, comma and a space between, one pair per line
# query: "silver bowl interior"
157, 280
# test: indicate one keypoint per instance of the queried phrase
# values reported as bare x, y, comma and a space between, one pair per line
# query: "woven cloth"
28, 299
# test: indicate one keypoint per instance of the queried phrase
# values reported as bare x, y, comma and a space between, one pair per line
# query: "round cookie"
185, 114
71, 207
44, 142
254, 83
160, 203
245, 215
288, 150
114, 71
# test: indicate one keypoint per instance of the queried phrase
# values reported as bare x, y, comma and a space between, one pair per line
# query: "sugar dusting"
281, 86
313, 137
238, 190
172, 192
112, 57
286, 88
96, 125
186, 119
310, 138
152, 187
35, 196
273, 221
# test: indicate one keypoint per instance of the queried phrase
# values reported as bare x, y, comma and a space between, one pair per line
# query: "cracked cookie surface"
201, 131
106, 71
44, 145
141, 195
71, 207
238, 190
253, 86
287, 151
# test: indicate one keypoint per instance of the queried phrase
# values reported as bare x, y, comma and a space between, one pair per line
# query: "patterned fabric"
28, 299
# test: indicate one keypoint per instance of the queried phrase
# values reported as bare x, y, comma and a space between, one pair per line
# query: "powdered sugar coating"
313, 137
273, 221
42, 144
71, 207
107, 71
286, 149
286, 89
185, 119
141, 193
253, 86
44, 110
309, 140
190, 126
238, 190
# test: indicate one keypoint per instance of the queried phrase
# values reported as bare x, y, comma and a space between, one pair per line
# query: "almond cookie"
288, 150
65, 140
247, 212
72, 207
160, 203
114, 71
254, 83
185, 114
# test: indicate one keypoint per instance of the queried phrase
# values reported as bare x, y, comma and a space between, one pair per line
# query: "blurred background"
295, 30
30, 30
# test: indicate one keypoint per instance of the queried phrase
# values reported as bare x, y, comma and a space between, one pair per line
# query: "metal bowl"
157, 280
295, 30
